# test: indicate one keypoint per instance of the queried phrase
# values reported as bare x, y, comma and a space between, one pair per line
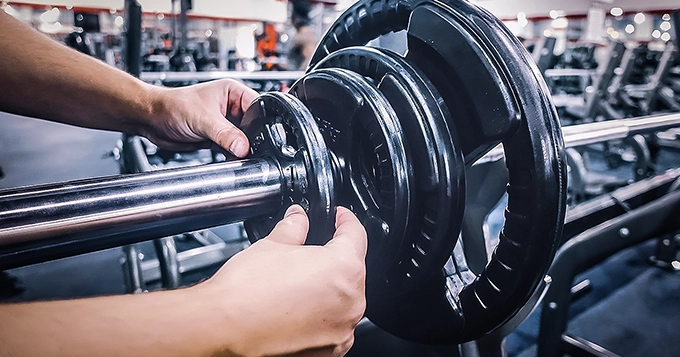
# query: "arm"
45, 79
277, 297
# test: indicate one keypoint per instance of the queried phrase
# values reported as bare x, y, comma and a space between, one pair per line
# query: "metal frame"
284, 76
588, 249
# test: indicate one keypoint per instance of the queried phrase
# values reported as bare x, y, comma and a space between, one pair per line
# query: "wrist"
140, 116
219, 316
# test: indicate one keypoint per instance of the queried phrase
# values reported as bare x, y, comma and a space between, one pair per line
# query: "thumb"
350, 235
292, 229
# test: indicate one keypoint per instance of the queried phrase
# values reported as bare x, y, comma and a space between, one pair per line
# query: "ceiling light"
50, 16
559, 23
639, 18
616, 11
522, 19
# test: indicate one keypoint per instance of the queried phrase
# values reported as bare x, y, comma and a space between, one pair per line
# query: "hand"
194, 117
279, 297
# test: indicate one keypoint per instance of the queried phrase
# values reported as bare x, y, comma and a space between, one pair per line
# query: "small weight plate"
367, 146
438, 165
280, 127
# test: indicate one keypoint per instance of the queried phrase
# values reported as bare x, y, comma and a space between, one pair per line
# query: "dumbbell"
388, 135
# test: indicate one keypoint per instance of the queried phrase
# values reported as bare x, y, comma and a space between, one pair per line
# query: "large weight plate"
365, 139
450, 55
280, 127
494, 93
438, 166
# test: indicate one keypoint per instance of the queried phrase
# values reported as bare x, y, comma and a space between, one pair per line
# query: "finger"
240, 97
234, 97
228, 136
292, 229
349, 233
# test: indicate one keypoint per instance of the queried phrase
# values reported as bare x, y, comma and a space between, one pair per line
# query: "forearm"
169, 323
45, 79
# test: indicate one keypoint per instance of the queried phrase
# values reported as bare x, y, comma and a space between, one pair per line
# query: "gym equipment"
133, 37
595, 103
643, 219
585, 183
544, 55
649, 98
324, 142
260, 81
438, 35
353, 134
597, 132
209, 76
180, 254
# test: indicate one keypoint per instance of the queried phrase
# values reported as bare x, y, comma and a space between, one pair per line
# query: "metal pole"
133, 37
185, 6
591, 133
52, 221
597, 132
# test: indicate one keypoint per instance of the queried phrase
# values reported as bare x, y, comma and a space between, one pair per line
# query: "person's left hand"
194, 117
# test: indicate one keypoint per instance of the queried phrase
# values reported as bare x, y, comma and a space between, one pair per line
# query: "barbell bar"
597, 132
45, 222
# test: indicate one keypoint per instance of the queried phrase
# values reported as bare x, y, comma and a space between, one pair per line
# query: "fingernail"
294, 209
238, 147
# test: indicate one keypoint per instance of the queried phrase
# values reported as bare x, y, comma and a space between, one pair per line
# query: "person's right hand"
279, 297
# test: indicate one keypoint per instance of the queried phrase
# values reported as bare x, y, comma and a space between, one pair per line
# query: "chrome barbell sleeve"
51, 221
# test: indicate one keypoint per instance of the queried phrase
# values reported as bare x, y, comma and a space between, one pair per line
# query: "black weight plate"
438, 166
449, 309
280, 127
366, 143
466, 77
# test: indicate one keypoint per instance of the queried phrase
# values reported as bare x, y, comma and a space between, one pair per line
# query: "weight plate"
280, 127
495, 93
367, 147
438, 166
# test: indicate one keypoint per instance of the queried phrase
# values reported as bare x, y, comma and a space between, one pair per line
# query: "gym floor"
632, 310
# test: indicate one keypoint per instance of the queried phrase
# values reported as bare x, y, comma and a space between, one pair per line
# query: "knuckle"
344, 346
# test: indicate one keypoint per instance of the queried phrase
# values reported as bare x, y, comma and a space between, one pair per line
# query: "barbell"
388, 135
